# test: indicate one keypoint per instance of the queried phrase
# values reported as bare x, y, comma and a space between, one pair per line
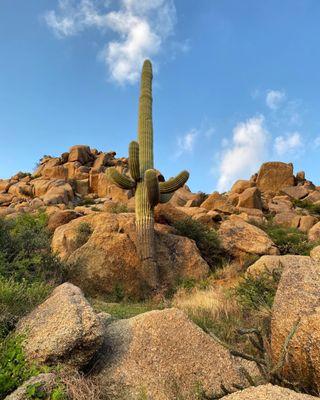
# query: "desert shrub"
312, 208
17, 299
124, 309
288, 240
84, 231
118, 208
14, 369
25, 252
86, 201
206, 240
258, 292
95, 208
37, 392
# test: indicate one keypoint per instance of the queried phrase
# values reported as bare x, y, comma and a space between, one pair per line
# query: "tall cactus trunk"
144, 210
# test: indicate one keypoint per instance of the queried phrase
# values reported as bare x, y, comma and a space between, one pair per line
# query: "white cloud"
186, 142
316, 142
275, 98
290, 143
246, 152
141, 28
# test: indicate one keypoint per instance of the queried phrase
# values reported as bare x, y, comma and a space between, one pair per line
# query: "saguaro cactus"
150, 187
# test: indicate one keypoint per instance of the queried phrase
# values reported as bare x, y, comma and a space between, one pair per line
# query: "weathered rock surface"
250, 198
274, 176
45, 383
298, 299
239, 237
268, 392
62, 329
241, 185
108, 259
61, 217
314, 233
271, 263
218, 202
166, 356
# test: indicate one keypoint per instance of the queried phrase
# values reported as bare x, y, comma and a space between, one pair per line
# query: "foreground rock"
106, 260
297, 298
268, 264
239, 238
268, 392
62, 329
45, 383
165, 356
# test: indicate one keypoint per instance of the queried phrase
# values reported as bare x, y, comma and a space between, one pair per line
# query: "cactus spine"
149, 191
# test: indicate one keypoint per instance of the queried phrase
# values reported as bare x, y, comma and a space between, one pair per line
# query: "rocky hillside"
235, 315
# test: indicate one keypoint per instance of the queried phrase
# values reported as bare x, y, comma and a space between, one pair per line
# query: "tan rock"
301, 176
21, 189
168, 214
313, 197
218, 202
241, 185
314, 233
80, 153
183, 195
315, 253
109, 257
274, 176
268, 392
45, 383
166, 355
82, 187
295, 192
271, 263
279, 204
4, 185
61, 217
238, 238
250, 198
233, 198
56, 172
306, 223
5, 199
41, 186
287, 219
297, 298
62, 329
60, 193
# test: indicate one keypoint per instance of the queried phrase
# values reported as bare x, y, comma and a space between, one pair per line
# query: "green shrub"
84, 231
14, 369
25, 252
17, 299
312, 208
254, 293
288, 240
118, 208
87, 201
206, 239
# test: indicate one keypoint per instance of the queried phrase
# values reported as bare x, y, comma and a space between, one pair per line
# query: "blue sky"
236, 83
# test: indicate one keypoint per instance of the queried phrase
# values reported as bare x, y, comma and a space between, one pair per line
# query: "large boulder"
61, 217
250, 198
60, 193
287, 219
107, 259
80, 153
274, 176
241, 185
239, 237
165, 356
297, 299
218, 202
62, 329
168, 214
272, 263
295, 192
268, 392
314, 233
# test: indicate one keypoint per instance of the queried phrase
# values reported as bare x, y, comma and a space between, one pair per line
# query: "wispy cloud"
187, 142
274, 98
291, 143
244, 155
142, 28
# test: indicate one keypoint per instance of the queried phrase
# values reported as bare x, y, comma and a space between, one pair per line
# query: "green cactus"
150, 187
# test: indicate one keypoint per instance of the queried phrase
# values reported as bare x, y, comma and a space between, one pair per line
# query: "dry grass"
213, 309
79, 387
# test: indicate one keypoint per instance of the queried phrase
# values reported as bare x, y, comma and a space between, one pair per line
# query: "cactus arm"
152, 184
174, 184
165, 197
134, 164
123, 181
